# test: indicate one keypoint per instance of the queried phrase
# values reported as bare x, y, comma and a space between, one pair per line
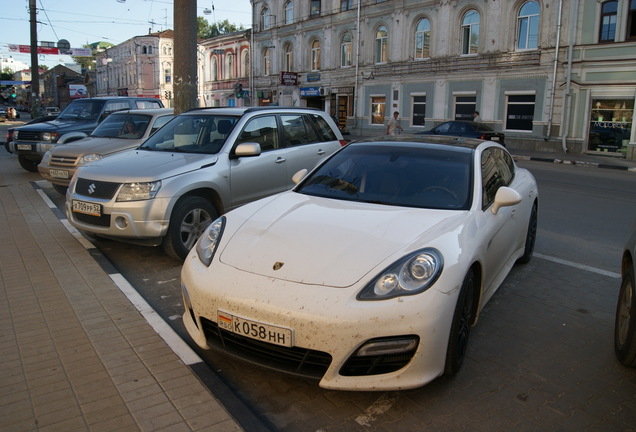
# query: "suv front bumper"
33, 150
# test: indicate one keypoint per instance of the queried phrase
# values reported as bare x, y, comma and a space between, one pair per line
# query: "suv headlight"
50, 136
46, 158
209, 241
139, 191
89, 158
412, 274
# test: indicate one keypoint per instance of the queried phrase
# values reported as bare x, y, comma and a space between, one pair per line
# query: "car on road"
201, 164
370, 272
10, 130
110, 137
79, 118
625, 325
52, 110
467, 129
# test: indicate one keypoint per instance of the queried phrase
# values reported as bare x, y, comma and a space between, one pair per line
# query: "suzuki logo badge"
91, 188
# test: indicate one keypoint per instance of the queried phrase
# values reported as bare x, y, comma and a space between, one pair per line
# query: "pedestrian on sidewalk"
393, 127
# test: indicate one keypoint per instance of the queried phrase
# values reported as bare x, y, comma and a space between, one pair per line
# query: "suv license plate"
26, 147
87, 208
61, 174
255, 330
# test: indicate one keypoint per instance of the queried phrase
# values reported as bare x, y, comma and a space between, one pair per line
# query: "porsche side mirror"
505, 197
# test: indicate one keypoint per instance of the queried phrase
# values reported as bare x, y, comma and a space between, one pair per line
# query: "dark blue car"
466, 129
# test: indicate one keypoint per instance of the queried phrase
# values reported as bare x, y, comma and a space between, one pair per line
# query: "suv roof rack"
265, 108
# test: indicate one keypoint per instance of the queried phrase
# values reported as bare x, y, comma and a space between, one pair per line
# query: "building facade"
554, 75
141, 66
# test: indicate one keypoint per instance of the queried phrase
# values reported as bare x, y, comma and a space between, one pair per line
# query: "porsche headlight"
209, 241
89, 158
139, 191
410, 275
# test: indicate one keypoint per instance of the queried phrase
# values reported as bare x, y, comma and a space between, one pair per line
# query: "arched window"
346, 50
214, 71
167, 73
288, 61
266, 63
245, 62
381, 45
315, 55
266, 19
149, 49
528, 26
144, 50
470, 32
609, 11
229, 65
289, 12
423, 39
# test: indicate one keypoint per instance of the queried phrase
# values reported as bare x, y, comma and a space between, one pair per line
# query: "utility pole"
35, 75
185, 55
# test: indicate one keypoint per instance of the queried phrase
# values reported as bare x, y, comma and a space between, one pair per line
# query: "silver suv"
201, 164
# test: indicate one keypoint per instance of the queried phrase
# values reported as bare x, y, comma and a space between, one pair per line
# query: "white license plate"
87, 208
495, 138
255, 330
61, 174
24, 147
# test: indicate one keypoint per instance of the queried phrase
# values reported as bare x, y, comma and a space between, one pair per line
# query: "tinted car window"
399, 176
112, 106
123, 126
262, 130
326, 133
297, 130
443, 128
160, 121
497, 169
83, 109
144, 104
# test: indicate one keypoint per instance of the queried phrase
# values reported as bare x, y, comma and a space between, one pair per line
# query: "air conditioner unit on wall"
324, 91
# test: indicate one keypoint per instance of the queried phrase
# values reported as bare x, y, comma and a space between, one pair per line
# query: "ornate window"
423, 39
346, 50
314, 8
609, 11
381, 45
470, 32
528, 26
266, 19
289, 57
315, 55
289, 12
266, 62
346, 5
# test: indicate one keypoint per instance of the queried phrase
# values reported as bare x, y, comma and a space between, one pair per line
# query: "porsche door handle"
280, 160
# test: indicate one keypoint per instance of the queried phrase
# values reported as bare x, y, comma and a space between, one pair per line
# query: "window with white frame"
346, 5
418, 109
314, 8
315, 55
346, 50
465, 106
609, 11
423, 39
266, 62
245, 62
528, 26
470, 32
289, 57
167, 73
520, 112
214, 69
229, 65
381, 45
289, 12
378, 107
266, 19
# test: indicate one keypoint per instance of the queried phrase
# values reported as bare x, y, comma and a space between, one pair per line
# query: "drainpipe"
355, 87
554, 71
568, 77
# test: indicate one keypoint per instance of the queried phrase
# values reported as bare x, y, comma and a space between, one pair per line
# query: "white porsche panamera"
370, 272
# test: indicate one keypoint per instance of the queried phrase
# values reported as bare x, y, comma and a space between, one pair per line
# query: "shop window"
381, 45
378, 107
465, 107
418, 108
611, 124
346, 50
470, 32
520, 112
423, 39
609, 11
528, 22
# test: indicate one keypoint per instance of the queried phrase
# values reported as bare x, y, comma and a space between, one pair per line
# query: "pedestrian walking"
476, 116
393, 127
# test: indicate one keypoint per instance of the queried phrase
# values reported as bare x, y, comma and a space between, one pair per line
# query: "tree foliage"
205, 30
6, 74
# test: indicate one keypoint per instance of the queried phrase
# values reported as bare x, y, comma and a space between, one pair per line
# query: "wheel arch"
208, 194
479, 293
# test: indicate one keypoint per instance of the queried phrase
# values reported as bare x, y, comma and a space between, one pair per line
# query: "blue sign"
309, 91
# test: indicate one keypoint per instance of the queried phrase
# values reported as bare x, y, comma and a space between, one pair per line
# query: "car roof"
239, 111
448, 142
150, 111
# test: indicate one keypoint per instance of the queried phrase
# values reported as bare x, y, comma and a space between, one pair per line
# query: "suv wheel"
190, 218
28, 164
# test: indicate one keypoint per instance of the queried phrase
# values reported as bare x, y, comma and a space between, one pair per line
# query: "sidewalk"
76, 353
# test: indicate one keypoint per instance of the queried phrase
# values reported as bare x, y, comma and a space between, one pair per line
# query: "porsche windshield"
408, 176
192, 133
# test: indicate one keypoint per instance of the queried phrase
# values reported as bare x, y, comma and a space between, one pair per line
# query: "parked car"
52, 110
369, 274
201, 164
79, 118
625, 325
110, 137
10, 130
467, 129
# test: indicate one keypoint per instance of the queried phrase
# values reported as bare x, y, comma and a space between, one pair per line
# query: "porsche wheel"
460, 329
531, 235
625, 325
190, 217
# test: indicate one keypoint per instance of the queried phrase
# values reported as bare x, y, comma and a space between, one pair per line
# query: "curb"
574, 162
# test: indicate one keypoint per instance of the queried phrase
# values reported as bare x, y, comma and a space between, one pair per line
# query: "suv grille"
96, 189
299, 361
65, 161
28, 136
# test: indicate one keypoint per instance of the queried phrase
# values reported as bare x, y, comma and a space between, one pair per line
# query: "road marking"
377, 408
579, 266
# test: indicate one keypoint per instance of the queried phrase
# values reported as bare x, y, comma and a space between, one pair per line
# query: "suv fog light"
397, 345
121, 222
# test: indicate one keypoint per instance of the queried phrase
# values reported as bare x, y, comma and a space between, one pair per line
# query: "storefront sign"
313, 76
309, 91
289, 78
342, 90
